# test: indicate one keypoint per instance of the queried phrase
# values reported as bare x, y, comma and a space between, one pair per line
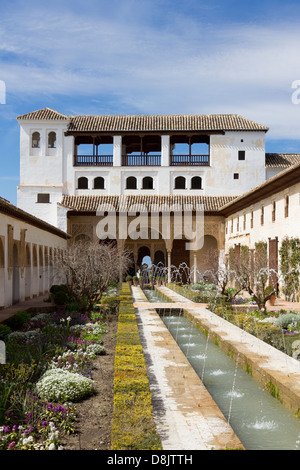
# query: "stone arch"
159, 257
143, 251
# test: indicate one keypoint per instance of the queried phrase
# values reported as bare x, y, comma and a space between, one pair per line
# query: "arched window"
99, 183
179, 182
35, 142
52, 140
147, 182
131, 182
83, 183
196, 182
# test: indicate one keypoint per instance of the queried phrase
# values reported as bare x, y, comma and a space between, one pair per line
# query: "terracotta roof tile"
46, 114
135, 123
7, 207
92, 203
282, 160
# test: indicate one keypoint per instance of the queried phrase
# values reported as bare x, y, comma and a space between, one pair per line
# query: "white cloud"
185, 67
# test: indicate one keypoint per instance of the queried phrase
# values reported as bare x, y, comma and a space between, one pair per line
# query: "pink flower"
11, 445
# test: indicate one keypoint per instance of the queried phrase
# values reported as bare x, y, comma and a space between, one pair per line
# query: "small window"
236, 176
286, 207
242, 155
36, 140
131, 182
147, 182
43, 198
196, 182
83, 183
52, 140
179, 182
273, 211
99, 183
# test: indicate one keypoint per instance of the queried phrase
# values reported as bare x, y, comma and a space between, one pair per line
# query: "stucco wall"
19, 278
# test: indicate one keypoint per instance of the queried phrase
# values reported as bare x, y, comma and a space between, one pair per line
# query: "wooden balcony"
93, 160
141, 160
189, 160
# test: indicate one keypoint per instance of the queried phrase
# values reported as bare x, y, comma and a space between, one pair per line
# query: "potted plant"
142, 280
129, 280
163, 280
135, 280
158, 280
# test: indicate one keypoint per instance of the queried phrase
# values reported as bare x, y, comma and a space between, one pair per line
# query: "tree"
88, 268
253, 274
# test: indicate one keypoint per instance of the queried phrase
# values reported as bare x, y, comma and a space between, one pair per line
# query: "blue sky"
149, 57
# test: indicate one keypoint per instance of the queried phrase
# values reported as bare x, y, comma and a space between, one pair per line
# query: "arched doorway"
15, 276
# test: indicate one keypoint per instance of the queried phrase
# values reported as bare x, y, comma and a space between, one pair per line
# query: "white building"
28, 248
211, 155
72, 164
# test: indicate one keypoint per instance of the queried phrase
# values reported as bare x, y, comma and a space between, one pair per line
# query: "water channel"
260, 421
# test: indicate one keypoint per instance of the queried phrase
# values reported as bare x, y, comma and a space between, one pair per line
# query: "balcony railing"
141, 160
189, 160
93, 160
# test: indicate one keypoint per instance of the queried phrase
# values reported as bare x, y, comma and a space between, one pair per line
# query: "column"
165, 150
117, 143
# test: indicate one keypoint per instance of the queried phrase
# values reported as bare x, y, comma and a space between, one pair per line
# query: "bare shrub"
88, 268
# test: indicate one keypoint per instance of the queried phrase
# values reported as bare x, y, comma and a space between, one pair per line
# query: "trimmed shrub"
59, 385
133, 427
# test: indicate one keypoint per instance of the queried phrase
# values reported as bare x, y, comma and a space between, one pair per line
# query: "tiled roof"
46, 114
139, 123
92, 203
164, 123
8, 208
281, 160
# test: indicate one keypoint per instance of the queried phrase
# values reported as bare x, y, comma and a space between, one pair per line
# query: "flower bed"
49, 366
133, 427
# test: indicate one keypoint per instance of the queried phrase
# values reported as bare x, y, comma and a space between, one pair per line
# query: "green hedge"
133, 427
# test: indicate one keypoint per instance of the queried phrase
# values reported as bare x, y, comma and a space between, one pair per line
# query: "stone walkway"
187, 417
